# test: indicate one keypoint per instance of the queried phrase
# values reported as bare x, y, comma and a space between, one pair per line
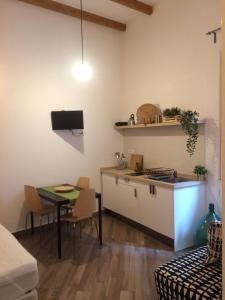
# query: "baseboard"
162, 238
21, 232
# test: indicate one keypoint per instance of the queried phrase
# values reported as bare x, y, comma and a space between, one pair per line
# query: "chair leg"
67, 227
48, 221
41, 222
40, 228
53, 220
53, 229
96, 226
91, 223
26, 222
74, 239
80, 230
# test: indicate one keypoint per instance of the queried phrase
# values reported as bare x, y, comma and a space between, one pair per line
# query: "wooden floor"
122, 269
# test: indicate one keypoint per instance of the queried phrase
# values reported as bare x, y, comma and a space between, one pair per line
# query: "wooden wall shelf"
164, 124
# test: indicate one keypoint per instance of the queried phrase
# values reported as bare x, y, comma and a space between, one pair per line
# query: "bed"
189, 278
18, 269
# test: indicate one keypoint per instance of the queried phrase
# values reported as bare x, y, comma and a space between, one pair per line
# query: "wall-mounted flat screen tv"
67, 120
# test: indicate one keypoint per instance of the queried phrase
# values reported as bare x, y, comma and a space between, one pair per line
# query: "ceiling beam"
137, 5
75, 12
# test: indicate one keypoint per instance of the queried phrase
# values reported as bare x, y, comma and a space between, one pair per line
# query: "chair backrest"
32, 198
85, 204
83, 182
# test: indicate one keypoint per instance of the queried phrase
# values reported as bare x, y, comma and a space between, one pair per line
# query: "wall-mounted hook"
77, 132
214, 32
214, 37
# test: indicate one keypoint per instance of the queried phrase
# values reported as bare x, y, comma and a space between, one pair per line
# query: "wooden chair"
83, 210
83, 183
35, 204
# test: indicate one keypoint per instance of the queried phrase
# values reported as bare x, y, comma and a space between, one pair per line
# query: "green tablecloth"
68, 195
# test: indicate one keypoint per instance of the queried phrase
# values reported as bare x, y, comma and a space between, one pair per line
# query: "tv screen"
67, 120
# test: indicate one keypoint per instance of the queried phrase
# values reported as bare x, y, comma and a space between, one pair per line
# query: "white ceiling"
107, 8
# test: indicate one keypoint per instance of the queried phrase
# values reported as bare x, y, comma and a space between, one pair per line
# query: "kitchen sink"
175, 180
169, 179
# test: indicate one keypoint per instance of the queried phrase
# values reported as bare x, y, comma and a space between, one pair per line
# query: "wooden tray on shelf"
146, 113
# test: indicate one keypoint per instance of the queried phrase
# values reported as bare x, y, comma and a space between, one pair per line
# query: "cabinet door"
189, 207
128, 199
120, 196
110, 192
155, 208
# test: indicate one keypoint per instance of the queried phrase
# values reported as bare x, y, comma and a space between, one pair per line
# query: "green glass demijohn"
203, 225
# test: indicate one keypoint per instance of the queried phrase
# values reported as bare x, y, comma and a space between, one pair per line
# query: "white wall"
169, 60
166, 59
37, 50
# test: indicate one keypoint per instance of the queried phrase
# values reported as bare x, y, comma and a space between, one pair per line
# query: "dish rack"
159, 173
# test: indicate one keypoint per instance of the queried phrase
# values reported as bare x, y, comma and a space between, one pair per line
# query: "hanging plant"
189, 124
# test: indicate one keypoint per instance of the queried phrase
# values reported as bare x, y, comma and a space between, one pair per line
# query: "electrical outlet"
131, 151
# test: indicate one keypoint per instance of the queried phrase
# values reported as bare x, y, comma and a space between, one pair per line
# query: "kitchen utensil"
134, 159
117, 155
131, 120
121, 162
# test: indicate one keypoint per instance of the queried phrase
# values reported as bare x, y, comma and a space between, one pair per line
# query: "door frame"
222, 109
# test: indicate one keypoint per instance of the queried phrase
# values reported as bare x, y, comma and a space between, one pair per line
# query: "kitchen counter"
142, 178
168, 211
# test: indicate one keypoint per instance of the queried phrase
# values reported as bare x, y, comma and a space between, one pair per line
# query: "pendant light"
82, 70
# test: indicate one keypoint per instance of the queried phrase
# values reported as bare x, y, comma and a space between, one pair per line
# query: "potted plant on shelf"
171, 114
200, 171
189, 124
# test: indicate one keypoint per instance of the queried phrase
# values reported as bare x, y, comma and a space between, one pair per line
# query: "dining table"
50, 194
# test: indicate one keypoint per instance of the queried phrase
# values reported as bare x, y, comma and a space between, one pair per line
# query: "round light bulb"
82, 71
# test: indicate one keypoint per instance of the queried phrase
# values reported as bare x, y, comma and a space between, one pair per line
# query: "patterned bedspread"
189, 278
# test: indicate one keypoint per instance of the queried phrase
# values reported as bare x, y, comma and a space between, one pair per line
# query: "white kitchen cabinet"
110, 193
155, 208
171, 212
120, 196
189, 207
128, 198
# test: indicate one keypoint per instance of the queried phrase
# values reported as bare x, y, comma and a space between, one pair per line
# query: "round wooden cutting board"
64, 188
146, 113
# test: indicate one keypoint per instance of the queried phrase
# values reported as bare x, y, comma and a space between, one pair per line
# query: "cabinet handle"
154, 190
151, 189
116, 180
135, 193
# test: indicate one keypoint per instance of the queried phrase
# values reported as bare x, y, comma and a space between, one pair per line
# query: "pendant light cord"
81, 31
